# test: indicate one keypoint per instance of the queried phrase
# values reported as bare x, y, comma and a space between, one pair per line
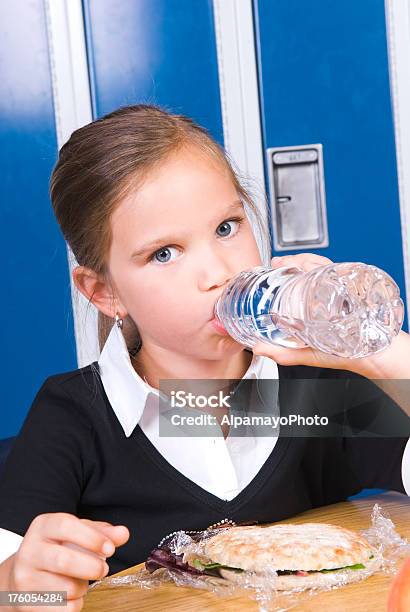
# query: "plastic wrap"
166, 565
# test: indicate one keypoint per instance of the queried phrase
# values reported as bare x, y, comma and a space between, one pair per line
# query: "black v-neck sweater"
72, 456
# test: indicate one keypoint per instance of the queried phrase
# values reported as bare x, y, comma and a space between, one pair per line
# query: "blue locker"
154, 51
323, 71
37, 336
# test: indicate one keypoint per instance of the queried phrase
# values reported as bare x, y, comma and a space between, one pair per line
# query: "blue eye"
227, 227
163, 255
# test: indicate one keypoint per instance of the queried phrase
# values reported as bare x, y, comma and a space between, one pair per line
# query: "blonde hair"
102, 162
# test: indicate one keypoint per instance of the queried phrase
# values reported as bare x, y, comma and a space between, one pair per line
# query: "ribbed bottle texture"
345, 309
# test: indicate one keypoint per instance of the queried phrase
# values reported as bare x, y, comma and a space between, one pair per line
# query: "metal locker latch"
297, 197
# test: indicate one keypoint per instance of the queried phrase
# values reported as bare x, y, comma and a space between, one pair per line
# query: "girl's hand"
61, 552
306, 356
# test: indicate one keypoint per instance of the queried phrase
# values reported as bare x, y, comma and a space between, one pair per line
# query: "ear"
98, 291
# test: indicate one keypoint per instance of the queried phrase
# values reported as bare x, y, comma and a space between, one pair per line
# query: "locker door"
37, 329
324, 78
154, 51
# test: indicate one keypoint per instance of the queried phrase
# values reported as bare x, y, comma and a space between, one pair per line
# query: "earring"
118, 320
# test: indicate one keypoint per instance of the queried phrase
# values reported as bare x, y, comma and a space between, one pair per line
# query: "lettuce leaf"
356, 566
210, 566
198, 564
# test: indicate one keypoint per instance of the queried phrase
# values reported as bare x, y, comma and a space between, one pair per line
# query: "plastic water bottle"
345, 309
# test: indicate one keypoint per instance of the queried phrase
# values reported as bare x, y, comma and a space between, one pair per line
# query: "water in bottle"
345, 309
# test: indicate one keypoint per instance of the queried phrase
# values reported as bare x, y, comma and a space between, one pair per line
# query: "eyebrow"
158, 242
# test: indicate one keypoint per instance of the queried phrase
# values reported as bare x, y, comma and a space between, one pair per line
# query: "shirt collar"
128, 393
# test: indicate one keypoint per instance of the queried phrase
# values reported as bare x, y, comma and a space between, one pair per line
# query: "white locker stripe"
398, 38
238, 83
72, 109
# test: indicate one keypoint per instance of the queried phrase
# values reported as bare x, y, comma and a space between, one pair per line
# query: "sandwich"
284, 556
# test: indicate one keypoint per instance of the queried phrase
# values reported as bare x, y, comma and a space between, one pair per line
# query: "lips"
216, 323
219, 327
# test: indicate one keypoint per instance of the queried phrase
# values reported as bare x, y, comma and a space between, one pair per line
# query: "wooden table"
370, 594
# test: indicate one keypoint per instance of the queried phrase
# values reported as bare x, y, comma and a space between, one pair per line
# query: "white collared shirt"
226, 466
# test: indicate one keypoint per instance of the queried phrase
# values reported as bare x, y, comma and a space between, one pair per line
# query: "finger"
302, 356
301, 260
284, 260
118, 534
302, 256
311, 264
95, 523
287, 356
313, 261
291, 261
318, 258
75, 605
60, 526
59, 559
74, 587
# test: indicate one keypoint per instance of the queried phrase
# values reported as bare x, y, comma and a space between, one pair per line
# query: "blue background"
155, 52
37, 334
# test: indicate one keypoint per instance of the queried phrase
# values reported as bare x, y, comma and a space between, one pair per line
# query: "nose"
214, 272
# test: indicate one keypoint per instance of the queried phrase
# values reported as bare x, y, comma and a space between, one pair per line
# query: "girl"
159, 224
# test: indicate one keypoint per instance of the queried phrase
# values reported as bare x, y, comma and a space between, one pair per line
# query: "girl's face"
176, 243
